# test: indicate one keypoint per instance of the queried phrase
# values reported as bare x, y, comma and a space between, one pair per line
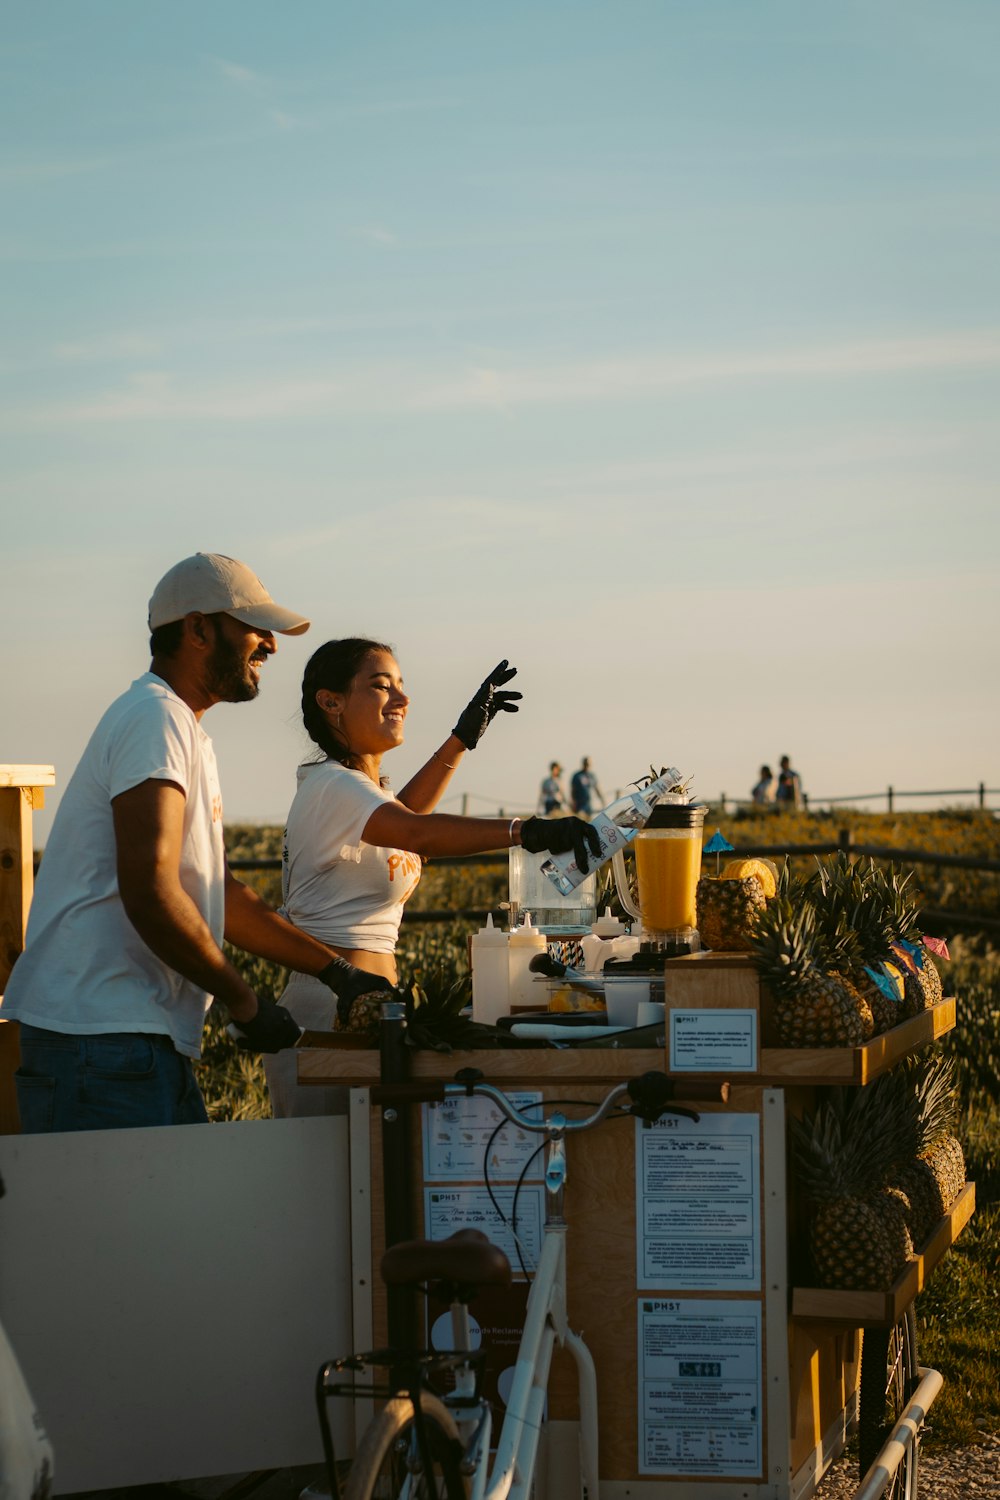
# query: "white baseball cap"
210, 583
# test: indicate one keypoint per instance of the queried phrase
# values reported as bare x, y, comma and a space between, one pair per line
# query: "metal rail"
902, 1437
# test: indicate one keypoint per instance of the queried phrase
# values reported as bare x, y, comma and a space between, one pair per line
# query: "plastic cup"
623, 998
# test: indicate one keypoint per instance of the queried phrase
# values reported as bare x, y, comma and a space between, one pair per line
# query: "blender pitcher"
667, 865
531, 890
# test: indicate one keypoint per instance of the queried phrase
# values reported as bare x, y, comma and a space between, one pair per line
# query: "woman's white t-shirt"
339, 889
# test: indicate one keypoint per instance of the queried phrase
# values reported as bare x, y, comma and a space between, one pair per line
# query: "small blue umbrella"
717, 845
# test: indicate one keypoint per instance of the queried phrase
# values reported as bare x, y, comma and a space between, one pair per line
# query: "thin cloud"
155, 395
122, 346
634, 377
31, 169
237, 73
375, 235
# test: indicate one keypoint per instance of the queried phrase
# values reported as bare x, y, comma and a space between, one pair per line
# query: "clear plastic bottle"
526, 992
616, 826
490, 973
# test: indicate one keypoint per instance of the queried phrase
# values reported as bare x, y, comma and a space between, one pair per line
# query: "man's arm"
149, 826
256, 927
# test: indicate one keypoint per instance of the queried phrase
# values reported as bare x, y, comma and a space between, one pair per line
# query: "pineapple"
922, 982
934, 1175
814, 1005
858, 1233
727, 912
841, 893
362, 1015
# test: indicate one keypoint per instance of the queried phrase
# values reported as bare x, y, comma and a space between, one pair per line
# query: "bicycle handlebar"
540, 1127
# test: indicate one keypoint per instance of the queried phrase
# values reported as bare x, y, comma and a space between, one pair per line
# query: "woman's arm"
394, 826
424, 791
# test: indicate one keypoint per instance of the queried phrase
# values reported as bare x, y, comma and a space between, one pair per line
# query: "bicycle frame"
511, 1474
545, 1325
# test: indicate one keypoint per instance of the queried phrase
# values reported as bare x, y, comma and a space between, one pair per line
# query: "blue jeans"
107, 1081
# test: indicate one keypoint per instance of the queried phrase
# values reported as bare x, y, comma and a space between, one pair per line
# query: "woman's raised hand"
487, 702
559, 836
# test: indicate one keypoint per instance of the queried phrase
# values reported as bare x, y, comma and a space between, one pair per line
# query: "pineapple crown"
934, 1096
790, 944
866, 904
888, 889
856, 1138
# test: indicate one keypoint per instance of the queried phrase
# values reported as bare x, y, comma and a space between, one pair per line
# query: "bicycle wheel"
387, 1464
888, 1378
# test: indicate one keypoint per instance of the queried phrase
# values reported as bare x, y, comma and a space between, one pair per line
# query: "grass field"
959, 1312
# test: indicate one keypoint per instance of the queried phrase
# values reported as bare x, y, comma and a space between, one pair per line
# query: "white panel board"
171, 1293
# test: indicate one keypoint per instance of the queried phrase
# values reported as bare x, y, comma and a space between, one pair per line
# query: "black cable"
622, 1114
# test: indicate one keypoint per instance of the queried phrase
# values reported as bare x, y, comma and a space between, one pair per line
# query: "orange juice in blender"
667, 865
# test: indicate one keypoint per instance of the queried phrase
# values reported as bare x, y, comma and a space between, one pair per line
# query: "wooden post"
982, 795
844, 839
888, 796
21, 791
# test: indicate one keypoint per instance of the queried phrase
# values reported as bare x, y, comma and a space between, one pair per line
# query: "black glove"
348, 982
487, 703
559, 836
272, 1029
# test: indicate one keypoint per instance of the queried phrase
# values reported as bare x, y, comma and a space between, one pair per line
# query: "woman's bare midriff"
372, 963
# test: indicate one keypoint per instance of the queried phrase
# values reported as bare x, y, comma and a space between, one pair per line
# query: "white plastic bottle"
490, 974
597, 943
526, 992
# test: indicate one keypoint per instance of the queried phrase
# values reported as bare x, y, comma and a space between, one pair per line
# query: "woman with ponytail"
353, 850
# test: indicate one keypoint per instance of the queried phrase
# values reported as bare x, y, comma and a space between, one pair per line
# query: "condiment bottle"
526, 993
596, 945
490, 973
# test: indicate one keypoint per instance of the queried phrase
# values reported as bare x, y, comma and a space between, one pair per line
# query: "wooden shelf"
861, 1309
348, 1065
326, 1058
857, 1065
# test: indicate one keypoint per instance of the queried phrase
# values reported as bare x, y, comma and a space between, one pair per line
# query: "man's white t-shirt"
339, 889
85, 969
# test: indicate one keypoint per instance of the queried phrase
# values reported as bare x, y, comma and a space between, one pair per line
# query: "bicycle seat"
466, 1257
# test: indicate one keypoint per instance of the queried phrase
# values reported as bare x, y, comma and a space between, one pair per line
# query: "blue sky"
653, 346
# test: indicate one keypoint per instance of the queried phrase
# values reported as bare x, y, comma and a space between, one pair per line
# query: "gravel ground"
959, 1474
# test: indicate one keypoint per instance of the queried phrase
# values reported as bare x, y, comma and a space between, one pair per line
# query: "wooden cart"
642, 1287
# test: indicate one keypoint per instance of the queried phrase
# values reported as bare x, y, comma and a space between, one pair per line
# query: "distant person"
551, 797
585, 794
788, 793
124, 954
763, 793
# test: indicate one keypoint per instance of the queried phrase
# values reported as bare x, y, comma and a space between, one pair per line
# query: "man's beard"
229, 675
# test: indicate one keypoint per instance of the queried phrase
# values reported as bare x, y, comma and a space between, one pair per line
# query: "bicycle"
421, 1444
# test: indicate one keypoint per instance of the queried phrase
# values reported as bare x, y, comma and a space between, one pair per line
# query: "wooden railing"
891, 795
941, 920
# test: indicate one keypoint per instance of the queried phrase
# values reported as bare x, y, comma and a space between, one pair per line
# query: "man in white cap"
123, 954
